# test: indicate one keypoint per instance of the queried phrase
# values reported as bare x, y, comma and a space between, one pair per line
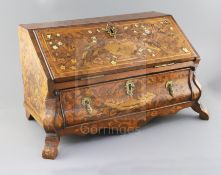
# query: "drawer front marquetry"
121, 97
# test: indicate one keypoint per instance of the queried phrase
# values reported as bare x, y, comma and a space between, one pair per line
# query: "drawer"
125, 96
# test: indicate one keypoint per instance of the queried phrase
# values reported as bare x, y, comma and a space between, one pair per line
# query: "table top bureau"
111, 73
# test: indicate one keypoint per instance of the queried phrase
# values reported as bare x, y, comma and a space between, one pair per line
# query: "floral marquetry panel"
99, 48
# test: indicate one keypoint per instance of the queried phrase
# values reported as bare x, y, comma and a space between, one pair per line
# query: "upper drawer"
78, 51
124, 96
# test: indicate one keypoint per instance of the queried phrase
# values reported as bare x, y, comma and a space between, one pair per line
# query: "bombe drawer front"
125, 96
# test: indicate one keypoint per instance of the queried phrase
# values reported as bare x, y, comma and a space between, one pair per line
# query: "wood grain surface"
83, 76
111, 99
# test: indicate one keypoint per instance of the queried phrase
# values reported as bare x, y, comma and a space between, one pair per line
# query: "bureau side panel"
34, 79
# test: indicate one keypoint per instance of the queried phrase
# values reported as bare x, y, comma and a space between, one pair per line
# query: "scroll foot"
50, 150
203, 113
28, 115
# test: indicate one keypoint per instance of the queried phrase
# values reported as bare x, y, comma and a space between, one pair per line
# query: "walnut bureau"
117, 72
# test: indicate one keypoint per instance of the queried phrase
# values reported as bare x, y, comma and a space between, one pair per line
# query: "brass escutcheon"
86, 102
130, 87
169, 87
111, 30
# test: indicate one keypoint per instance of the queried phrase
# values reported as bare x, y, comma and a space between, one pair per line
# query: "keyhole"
130, 87
111, 30
87, 102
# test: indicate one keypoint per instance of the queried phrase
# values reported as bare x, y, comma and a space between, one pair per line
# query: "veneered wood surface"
37, 85
90, 80
34, 79
111, 99
87, 50
124, 124
149, 49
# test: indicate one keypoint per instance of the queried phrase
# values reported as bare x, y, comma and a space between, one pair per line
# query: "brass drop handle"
111, 30
130, 87
169, 87
86, 102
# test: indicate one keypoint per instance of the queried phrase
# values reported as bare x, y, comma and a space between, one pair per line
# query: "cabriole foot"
203, 113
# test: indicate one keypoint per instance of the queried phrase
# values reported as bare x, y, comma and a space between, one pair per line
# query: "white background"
180, 144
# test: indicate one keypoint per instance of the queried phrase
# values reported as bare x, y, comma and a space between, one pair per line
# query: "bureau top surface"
111, 44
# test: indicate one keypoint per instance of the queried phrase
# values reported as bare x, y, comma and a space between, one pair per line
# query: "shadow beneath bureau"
71, 141
155, 122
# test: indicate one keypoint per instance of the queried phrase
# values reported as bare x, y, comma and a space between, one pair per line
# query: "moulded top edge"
94, 20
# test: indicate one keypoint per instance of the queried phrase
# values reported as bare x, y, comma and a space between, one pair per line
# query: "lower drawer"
105, 100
